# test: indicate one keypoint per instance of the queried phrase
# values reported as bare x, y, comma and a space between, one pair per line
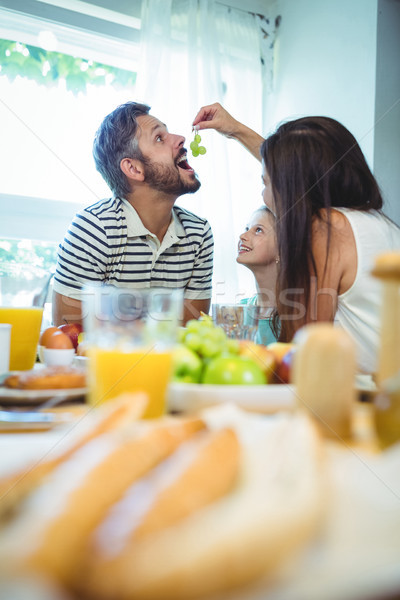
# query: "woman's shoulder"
329, 224
330, 216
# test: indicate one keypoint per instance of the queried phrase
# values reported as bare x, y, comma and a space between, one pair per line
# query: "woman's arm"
214, 116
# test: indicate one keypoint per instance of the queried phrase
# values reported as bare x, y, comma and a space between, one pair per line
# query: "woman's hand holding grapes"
214, 116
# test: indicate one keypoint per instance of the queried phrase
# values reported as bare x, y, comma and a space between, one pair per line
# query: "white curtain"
195, 52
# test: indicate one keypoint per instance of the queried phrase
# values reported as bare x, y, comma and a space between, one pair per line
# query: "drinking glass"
131, 334
239, 321
22, 301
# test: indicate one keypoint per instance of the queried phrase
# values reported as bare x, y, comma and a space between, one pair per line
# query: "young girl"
257, 250
329, 224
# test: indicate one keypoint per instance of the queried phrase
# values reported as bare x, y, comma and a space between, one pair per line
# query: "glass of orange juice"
130, 335
21, 305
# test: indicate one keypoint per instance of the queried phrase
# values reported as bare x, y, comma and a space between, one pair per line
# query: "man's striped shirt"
108, 243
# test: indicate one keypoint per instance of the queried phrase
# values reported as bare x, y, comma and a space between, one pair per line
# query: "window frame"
41, 219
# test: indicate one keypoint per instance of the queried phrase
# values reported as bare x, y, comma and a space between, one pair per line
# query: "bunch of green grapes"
206, 339
194, 146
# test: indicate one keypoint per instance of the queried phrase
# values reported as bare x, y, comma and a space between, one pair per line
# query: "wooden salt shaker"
387, 268
324, 372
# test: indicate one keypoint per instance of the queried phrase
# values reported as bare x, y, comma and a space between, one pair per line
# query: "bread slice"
47, 378
60, 515
245, 533
200, 471
121, 412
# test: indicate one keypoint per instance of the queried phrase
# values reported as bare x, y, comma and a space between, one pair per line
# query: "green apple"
186, 365
233, 370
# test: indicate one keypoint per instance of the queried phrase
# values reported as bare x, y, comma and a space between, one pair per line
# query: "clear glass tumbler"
131, 334
239, 321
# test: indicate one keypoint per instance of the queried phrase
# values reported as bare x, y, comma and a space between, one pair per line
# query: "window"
84, 48
40, 256
56, 85
45, 138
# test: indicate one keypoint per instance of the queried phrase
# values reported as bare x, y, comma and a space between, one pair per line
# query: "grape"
194, 146
207, 342
181, 335
232, 346
206, 339
193, 341
218, 335
193, 326
208, 348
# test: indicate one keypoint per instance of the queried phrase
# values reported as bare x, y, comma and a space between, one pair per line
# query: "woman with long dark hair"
329, 224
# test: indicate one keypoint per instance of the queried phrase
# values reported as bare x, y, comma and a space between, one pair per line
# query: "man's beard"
168, 180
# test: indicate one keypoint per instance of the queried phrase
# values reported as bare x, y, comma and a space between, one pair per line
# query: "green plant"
34, 255
47, 68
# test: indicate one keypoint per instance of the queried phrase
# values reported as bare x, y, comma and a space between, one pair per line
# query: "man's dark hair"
116, 139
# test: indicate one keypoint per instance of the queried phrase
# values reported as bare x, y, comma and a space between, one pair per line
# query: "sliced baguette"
121, 412
200, 471
244, 534
60, 514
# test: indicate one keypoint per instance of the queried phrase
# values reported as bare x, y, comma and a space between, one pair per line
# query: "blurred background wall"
341, 58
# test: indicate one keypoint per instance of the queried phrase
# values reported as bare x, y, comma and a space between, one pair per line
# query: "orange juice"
25, 332
112, 372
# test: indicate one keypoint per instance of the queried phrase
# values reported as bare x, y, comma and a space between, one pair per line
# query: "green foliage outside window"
37, 256
46, 68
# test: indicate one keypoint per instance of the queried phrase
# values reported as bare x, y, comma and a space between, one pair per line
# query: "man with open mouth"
138, 238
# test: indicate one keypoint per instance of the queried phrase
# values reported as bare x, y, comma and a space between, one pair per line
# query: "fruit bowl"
267, 398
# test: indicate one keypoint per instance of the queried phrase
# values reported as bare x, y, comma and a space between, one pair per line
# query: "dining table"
354, 553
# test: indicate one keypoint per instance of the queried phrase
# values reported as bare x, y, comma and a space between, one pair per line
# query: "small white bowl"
58, 358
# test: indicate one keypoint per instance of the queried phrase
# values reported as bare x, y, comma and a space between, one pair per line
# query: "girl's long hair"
314, 163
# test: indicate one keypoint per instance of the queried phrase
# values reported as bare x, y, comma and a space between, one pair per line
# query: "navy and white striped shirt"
107, 242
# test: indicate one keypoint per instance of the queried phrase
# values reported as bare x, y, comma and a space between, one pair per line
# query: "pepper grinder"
387, 268
324, 372
387, 401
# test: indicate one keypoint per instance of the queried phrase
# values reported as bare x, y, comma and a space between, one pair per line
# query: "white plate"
33, 420
269, 398
12, 397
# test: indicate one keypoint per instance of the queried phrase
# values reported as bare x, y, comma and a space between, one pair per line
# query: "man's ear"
133, 169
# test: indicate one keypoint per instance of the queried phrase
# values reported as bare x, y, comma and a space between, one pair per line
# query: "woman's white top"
359, 307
